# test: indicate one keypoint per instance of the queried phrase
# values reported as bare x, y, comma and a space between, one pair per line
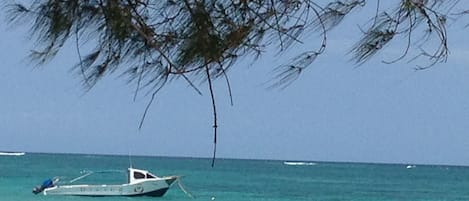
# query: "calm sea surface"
239, 180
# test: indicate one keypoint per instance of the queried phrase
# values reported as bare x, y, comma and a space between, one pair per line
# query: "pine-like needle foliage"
411, 16
161, 39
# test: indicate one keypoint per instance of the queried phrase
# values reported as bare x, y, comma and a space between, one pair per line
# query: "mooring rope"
181, 186
81, 177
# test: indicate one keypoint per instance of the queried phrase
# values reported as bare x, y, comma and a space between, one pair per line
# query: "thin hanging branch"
228, 85
214, 110
153, 96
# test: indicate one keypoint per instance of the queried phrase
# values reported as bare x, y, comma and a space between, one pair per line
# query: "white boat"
410, 166
11, 153
298, 163
140, 182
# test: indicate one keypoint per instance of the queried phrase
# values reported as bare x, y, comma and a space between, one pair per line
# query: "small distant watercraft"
298, 163
140, 183
410, 166
8, 153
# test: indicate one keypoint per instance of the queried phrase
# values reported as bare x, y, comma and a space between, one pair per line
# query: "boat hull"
154, 187
12, 153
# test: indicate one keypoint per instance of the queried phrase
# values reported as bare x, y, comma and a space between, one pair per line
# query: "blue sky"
333, 112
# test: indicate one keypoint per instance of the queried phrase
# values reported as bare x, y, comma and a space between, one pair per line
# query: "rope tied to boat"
183, 189
89, 172
81, 177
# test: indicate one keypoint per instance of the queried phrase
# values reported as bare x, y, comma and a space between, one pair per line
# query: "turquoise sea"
239, 180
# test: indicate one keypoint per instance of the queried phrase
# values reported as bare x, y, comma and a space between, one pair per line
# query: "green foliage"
155, 40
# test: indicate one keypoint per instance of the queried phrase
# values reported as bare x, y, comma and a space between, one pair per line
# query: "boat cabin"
136, 175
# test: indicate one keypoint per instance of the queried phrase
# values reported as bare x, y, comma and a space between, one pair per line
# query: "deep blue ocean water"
230, 180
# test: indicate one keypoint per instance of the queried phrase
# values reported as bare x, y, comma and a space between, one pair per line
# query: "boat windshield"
138, 175
135, 174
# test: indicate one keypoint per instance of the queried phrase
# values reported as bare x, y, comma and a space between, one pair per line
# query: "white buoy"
213, 198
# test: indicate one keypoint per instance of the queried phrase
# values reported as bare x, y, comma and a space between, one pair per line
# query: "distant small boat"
298, 163
410, 166
140, 182
8, 153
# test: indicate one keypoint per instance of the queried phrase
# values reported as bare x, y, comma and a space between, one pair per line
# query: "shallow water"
232, 180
